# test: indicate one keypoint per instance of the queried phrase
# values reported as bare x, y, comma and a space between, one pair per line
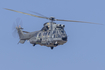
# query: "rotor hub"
52, 18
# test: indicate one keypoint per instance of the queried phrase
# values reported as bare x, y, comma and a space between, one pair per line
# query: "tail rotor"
16, 25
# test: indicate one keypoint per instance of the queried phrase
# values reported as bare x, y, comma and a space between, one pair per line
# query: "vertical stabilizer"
20, 32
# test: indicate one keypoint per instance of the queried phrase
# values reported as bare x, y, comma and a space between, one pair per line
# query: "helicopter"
51, 35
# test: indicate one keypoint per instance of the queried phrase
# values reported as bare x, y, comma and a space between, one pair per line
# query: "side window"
54, 36
48, 33
57, 32
54, 32
45, 33
39, 34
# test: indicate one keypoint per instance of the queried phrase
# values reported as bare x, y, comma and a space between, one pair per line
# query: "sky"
84, 50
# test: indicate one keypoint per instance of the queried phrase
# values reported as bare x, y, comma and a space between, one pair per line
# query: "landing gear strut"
56, 43
34, 44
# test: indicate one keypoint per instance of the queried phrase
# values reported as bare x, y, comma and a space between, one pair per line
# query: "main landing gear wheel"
52, 47
34, 44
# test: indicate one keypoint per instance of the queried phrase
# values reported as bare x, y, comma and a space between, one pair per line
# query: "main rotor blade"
76, 21
27, 13
37, 13
50, 19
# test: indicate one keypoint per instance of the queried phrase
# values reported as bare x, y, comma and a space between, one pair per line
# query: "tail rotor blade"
14, 26
15, 34
17, 23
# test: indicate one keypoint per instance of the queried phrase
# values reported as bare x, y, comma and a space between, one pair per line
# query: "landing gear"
52, 47
34, 44
56, 43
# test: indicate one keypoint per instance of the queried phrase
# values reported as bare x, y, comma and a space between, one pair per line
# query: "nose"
64, 38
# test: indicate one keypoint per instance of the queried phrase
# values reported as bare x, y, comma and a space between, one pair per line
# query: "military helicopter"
51, 35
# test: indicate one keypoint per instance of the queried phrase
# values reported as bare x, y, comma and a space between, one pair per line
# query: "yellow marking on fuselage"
47, 23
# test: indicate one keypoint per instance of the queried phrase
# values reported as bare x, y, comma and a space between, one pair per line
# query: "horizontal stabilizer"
22, 41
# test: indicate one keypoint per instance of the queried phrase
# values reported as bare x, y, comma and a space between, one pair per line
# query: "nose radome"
64, 38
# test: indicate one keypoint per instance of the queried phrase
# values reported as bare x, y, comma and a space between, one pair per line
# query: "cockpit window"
62, 31
57, 36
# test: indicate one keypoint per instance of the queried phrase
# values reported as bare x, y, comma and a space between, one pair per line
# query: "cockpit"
57, 31
47, 26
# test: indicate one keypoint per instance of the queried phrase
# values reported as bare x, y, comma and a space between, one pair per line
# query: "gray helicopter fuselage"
51, 35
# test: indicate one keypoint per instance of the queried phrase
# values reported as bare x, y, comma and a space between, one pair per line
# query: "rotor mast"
52, 19
51, 25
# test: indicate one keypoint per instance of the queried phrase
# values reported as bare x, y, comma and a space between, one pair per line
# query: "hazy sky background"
85, 49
